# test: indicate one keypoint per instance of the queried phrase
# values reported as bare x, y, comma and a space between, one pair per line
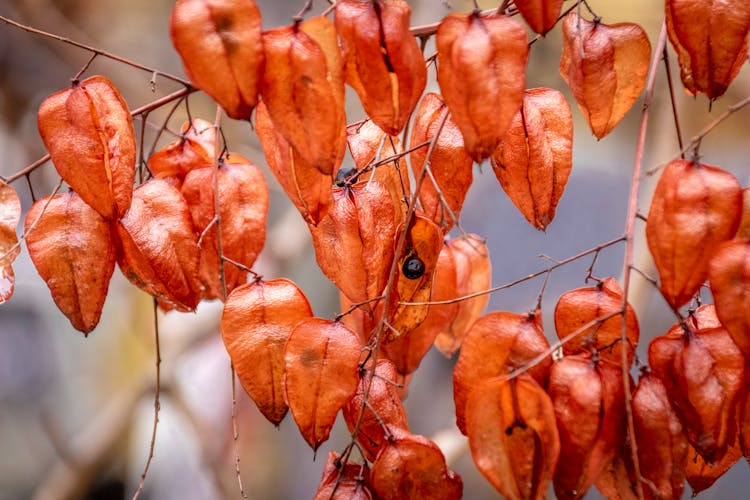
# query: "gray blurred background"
76, 413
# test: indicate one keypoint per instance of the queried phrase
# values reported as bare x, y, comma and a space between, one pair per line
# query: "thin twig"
665, 57
629, 236
157, 405
236, 434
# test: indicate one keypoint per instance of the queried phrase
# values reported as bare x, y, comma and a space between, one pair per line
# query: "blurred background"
76, 413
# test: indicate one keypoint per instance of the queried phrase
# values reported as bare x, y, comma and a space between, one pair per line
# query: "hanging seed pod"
541, 15
10, 215
729, 276
341, 481
710, 54
71, 248
535, 157
383, 62
195, 148
606, 67
258, 319
219, 42
482, 74
89, 134
694, 209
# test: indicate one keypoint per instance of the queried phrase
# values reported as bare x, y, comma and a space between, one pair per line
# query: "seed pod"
482, 74
71, 248
157, 247
703, 372
258, 319
729, 275
195, 148
303, 88
341, 481
243, 208
710, 54
513, 436
321, 364
576, 308
89, 134
383, 62
10, 214
450, 164
541, 15
535, 157
694, 209
496, 344
219, 42
701, 474
606, 67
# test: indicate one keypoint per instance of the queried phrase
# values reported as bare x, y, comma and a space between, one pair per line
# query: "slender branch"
157, 405
668, 71
629, 234
236, 434
93, 50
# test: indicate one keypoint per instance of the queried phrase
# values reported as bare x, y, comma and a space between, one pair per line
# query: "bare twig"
236, 434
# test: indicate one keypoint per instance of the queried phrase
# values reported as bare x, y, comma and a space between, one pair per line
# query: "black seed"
343, 174
413, 267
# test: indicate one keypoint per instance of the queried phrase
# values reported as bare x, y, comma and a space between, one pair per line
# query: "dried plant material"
349, 481
320, 375
744, 230
710, 39
383, 407
541, 15
576, 308
354, 241
158, 249
303, 88
10, 215
412, 466
535, 157
71, 248
258, 319
662, 447
243, 208
589, 407
219, 42
701, 474
89, 134
407, 351
496, 344
482, 75
195, 148
383, 62
606, 67
729, 276
513, 436
694, 209
450, 164
308, 189
471, 259
703, 372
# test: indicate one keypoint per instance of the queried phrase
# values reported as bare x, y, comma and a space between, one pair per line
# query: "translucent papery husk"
195, 148
349, 481
729, 277
10, 215
541, 15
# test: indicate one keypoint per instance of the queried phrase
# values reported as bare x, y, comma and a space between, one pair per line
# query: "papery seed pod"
383, 407
513, 436
588, 401
481, 72
321, 363
541, 15
89, 134
662, 447
349, 481
10, 214
258, 319
243, 209
383, 62
535, 157
219, 42
695, 208
744, 230
581, 306
71, 248
701, 474
412, 466
606, 67
496, 344
303, 88
407, 351
157, 247
710, 53
450, 164
729, 276
354, 241
703, 372
307, 188
473, 274
195, 148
